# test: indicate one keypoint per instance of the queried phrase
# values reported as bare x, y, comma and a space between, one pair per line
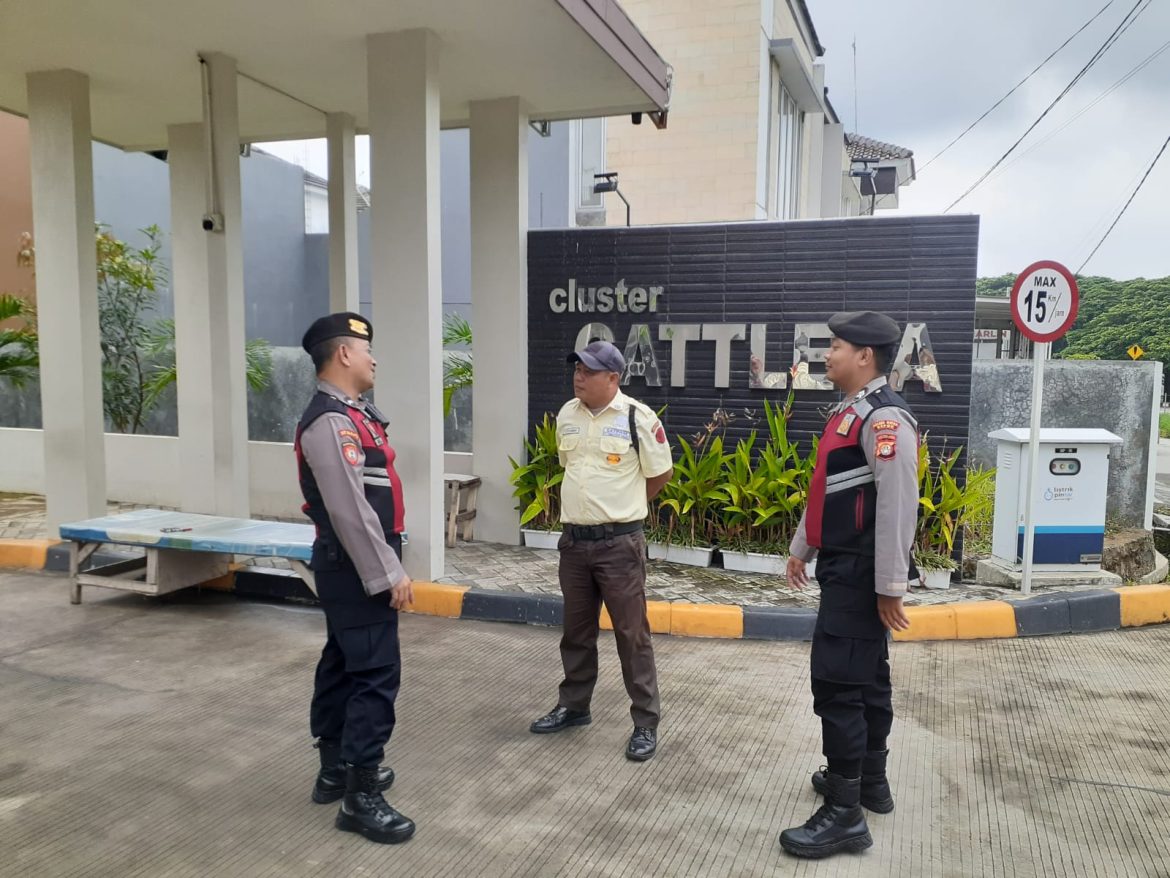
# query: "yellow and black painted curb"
1053, 613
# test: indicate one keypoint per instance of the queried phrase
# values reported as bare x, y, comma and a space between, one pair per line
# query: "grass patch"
1164, 425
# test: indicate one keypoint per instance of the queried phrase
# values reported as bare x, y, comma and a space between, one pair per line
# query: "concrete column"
833, 167
499, 264
63, 224
343, 236
406, 271
208, 281
814, 126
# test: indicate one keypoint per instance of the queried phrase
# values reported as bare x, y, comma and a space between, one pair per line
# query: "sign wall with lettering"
715, 319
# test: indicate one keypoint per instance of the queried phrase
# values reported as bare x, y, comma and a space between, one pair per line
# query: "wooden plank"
302, 570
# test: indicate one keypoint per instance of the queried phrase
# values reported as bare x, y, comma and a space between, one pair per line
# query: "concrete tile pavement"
150, 737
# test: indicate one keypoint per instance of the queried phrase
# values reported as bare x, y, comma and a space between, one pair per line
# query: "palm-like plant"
945, 506
161, 347
19, 347
457, 366
766, 491
537, 482
686, 512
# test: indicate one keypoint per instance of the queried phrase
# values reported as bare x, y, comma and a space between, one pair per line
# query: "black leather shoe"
364, 811
330, 784
558, 719
875, 788
837, 827
642, 744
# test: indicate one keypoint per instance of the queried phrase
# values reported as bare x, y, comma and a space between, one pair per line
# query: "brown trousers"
612, 570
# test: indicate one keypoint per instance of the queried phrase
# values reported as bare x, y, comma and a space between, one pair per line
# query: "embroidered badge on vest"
846, 424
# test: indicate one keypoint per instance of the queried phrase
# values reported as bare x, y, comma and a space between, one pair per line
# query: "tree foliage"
1113, 315
128, 282
1116, 314
18, 344
138, 348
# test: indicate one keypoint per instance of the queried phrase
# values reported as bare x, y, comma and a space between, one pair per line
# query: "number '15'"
1037, 304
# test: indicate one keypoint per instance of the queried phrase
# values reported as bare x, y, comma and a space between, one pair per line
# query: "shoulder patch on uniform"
882, 426
351, 453
349, 434
659, 433
846, 424
886, 446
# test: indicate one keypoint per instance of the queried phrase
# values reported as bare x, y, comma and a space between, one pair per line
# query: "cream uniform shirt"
605, 479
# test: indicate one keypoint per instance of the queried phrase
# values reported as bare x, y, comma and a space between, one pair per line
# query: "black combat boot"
875, 788
838, 826
364, 811
330, 784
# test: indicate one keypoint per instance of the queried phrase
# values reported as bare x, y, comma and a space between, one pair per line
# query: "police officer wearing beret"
354, 497
859, 525
616, 459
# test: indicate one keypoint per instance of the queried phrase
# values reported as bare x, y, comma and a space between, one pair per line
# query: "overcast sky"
923, 75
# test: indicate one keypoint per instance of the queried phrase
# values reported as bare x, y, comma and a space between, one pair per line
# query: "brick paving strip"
496, 567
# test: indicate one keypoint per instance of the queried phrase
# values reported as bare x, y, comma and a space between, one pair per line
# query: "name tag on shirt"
616, 432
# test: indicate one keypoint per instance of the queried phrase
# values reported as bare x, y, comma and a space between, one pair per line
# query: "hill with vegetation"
1114, 314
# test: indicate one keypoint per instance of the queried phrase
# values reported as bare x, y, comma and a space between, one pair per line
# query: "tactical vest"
383, 488
842, 497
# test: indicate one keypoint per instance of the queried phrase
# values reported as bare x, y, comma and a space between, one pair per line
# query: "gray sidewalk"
169, 737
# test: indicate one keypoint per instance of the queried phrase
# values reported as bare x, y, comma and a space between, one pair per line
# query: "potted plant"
766, 494
682, 528
537, 487
764, 500
743, 519
934, 568
945, 507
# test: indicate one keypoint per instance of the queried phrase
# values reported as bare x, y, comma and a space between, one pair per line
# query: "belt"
602, 531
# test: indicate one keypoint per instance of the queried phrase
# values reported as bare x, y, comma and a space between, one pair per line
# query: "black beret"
865, 328
336, 325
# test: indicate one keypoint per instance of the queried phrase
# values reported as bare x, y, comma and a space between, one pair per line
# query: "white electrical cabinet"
1068, 500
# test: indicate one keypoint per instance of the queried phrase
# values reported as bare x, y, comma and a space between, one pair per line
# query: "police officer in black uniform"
859, 524
354, 497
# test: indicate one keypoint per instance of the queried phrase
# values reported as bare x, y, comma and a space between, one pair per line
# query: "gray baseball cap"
600, 356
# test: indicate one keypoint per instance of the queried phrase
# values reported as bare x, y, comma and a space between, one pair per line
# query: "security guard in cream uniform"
859, 524
616, 459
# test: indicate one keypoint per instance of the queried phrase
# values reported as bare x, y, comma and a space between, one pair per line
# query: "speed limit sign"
1045, 301
1044, 306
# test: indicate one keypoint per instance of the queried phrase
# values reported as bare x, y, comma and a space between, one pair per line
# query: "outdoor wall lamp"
608, 183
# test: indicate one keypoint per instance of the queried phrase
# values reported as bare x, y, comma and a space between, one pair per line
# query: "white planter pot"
541, 539
693, 556
937, 579
755, 562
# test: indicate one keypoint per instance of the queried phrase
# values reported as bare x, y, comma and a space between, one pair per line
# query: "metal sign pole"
1039, 355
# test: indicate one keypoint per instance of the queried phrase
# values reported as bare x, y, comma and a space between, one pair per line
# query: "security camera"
213, 222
